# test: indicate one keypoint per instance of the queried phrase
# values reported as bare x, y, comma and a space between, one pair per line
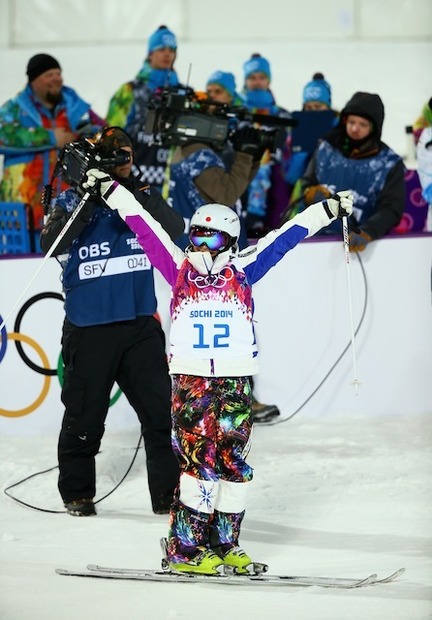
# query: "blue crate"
14, 235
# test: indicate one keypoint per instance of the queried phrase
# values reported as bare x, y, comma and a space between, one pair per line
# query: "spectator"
211, 362
353, 155
110, 333
424, 120
41, 119
305, 135
267, 195
129, 105
317, 94
424, 159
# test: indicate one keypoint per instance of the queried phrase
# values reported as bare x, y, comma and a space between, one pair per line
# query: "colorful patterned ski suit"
213, 355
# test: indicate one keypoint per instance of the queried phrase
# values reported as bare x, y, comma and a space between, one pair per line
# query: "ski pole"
47, 255
348, 275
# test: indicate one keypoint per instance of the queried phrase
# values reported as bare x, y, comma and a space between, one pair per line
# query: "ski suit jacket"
28, 143
106, 275
212, 332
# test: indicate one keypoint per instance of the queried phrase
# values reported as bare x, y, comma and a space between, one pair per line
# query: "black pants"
132, 353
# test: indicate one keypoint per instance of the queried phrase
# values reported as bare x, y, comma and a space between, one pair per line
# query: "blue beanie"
162, 37
257, 64
317, 90
226, 80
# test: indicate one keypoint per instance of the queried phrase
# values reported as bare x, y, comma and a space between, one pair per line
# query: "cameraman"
200, 172
110, 333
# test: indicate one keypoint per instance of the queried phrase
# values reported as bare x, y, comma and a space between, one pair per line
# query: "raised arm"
272, 248
156, 243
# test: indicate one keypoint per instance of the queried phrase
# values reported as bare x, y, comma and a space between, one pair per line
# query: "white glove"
339, 205
97, 181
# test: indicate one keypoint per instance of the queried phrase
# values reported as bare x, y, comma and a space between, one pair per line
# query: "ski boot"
204, 561
237, 561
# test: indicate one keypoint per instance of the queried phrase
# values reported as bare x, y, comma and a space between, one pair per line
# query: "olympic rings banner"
302, 326
31, 366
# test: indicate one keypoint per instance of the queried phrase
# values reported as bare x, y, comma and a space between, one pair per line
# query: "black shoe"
162, 507
263, 413
80, 508
161, 504
162, 510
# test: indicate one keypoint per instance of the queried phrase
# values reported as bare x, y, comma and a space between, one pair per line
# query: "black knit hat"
112, 138
39, 64
366, 105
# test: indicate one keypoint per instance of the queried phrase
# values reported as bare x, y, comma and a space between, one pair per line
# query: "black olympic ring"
43, 371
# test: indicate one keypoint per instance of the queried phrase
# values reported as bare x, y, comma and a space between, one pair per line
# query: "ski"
340, 580
103, 572
389, 578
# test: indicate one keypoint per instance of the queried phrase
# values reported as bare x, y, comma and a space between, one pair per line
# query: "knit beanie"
224, 79
256, 64
317, 90
368, 106
162, 37
39, 64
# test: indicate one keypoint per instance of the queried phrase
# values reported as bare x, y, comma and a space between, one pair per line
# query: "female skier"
213, 354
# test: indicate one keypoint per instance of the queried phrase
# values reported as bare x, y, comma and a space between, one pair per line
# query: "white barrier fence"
302, 324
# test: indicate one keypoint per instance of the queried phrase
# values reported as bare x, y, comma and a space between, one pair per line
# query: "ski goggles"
215, 240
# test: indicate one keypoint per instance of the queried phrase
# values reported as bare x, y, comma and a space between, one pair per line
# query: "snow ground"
335, 496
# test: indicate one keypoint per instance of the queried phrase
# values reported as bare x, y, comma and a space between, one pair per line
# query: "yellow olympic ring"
47, 379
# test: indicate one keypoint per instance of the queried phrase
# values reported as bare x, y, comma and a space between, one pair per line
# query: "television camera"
179, 115
76, 158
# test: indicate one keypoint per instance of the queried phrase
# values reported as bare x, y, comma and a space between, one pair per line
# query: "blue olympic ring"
3, 341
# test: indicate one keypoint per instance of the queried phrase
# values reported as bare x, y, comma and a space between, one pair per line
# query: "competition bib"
214, 328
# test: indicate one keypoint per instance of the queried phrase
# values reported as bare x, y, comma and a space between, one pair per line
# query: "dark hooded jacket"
369, 168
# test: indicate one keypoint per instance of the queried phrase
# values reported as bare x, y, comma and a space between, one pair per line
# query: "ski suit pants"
212, 427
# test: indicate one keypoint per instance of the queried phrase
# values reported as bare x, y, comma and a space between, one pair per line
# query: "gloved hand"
97, 182
358, 241
339, 205
248, 140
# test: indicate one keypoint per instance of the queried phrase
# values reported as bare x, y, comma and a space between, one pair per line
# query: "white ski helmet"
217, 217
